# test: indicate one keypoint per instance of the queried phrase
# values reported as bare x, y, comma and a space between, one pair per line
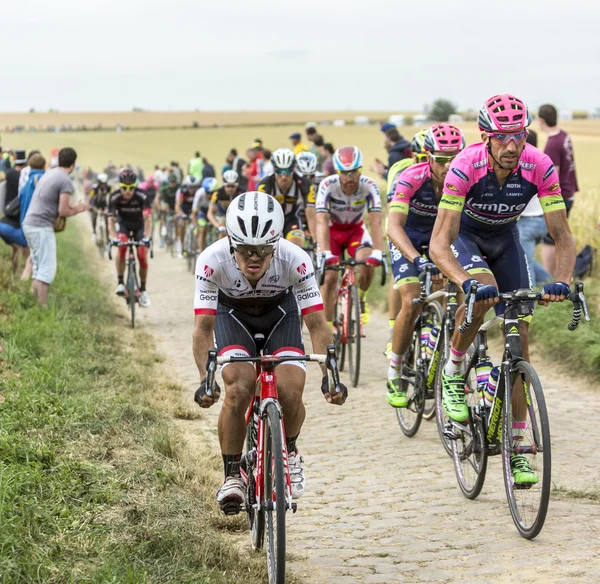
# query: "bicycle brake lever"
331, 364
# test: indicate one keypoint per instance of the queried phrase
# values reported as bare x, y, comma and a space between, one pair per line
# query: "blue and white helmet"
210, 184
306, 163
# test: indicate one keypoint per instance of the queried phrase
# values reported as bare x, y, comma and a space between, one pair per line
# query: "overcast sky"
296, 55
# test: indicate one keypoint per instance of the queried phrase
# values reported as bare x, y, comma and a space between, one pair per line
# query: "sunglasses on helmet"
503, 137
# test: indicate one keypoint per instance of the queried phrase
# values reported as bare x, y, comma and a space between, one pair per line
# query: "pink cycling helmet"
504, 113
444, 138
347, 158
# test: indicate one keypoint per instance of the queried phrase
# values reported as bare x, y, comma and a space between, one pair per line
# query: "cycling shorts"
291, 222
186, 208
403, 269
349, 237
235, 330
500, 255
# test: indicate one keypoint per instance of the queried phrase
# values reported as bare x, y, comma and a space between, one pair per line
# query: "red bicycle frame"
348, 280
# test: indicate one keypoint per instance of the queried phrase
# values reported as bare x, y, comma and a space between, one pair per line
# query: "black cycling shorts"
138, 232
281, 327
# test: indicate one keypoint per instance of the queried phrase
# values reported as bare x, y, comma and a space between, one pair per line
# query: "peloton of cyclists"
220, 201
200, 208
183, 208
99, 197
167, 197
341, 202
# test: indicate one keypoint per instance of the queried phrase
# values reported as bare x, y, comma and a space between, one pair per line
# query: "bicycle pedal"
231, 508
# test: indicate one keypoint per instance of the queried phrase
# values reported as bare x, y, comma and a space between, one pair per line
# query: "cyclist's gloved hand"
331, 395
375, 259
222, 229
557, 289
484, 291
203, 400
146, 241
330, 259
422, 264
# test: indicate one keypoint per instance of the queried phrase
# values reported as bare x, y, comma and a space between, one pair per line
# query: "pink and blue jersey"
415, 197
487, 208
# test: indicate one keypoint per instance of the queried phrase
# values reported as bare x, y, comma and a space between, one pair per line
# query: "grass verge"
96, 483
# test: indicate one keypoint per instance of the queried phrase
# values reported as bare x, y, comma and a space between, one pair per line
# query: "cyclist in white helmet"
220, 200
295, 194
253, 282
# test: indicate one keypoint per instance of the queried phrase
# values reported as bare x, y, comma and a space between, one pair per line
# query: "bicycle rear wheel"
410, 417
340, 347
528, 503
131, 290
353, 316
275, 499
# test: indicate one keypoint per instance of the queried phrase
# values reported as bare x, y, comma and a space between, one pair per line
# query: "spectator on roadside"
559, 148
256, 161
327, 151
397, 147
532, 137
238, 163
51, 200
297, 145
268, 168
158, 175
532, 230
311, 132
25, 172
317, 144
208, 170
195, 166
176, 171
12, 176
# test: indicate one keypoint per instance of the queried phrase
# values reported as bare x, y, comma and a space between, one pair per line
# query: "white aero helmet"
283, 158
102, 177
306, 163
230, 177
254, 218
191, 181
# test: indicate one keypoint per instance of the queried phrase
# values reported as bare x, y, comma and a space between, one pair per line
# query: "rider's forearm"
148, 225
376, 230
311, 219
320, 333
202, 340
213, 221
323, 231
565, 254
111, 227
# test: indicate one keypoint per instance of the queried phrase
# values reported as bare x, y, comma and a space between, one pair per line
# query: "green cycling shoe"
522, 471
395, 396
453, 397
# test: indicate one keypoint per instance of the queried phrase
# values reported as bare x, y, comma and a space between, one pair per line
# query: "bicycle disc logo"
208, 271
301, 269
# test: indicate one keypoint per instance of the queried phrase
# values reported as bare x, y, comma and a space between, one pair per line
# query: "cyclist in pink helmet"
475, 239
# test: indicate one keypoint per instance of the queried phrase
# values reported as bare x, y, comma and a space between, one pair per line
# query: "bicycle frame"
348, 280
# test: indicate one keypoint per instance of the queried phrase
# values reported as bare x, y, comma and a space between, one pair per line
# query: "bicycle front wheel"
410, 417
275, 496
353, 317
256, 519
131, 290
528, 502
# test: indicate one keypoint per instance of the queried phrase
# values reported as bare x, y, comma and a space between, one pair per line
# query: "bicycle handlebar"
130, 243
576, 297
343, 264
328, 358
425, 287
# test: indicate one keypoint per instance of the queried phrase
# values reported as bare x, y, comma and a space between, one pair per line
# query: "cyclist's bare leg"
120, 265
328, 293
290, 386
201, 238
394, 301
519, 405
405, 321
365, 273
181, 223
239, 380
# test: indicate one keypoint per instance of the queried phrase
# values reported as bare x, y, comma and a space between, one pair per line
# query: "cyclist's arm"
202, 340
323, 231
178, 204
376, 230
111, 227
311, 220
320, 333
211, 216
148, 222
396, 232
558, 228
445, 232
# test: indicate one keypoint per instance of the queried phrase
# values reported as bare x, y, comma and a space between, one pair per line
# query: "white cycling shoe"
144, 299
231, 495
120, 290
297, 477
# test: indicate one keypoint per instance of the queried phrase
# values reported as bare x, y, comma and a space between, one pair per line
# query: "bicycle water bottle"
433, 337
490, 390
483, 369
425, 334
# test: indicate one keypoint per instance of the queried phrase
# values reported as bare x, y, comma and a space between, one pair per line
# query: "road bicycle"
489, 429
264, 465
190, 246
169, 232
132, 288
347, 321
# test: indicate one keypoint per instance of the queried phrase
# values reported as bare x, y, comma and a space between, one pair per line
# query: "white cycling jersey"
347, 209
218, 280
201, 199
